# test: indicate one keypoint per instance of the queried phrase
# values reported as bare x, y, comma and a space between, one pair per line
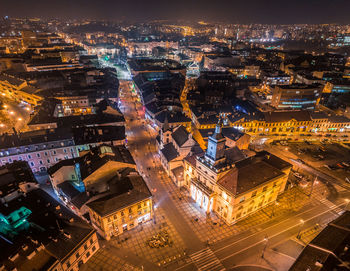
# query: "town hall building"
226, 182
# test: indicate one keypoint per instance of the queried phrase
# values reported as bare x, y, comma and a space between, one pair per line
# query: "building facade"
232, 186
296, 97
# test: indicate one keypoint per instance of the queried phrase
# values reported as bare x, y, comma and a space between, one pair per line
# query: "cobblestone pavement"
104, 260
136, 241
210, 228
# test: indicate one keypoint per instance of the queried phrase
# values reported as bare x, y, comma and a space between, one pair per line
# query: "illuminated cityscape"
177, 135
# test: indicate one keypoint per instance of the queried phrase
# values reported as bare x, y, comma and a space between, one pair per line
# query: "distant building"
292, 123
275, 77
44, 148
38, 232
75, 112
296, 96
138, 66
19, 90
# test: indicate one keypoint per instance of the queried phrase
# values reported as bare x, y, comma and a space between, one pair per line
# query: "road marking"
205, 259
331, 205
255, 233
276, 234
272, 236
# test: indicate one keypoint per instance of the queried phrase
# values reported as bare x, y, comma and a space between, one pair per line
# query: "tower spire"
216, 145
166, 123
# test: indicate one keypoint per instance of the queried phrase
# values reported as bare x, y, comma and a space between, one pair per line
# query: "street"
14, 115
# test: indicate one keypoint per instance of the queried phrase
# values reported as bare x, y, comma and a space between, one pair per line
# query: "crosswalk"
205, 260
339, 210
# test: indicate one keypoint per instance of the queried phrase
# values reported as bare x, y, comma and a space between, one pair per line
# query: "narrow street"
141, 143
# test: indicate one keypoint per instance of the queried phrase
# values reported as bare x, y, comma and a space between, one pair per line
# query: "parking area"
330, 158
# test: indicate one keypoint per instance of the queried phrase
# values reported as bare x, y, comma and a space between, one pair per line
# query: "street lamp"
273, 208
347, 203
312, 186
266, 240
301, 225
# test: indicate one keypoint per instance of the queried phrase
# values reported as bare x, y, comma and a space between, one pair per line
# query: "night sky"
235, 11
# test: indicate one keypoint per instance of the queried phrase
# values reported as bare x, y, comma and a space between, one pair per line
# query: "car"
297, 175
328, 135
300, 161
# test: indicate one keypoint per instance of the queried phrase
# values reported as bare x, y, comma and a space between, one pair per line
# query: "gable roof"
129, 190
180, 135
169, 152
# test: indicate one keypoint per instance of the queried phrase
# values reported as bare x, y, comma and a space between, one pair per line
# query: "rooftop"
328, 250
47, 229
127, 191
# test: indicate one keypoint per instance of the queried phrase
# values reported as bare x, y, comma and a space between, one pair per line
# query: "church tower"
216, 146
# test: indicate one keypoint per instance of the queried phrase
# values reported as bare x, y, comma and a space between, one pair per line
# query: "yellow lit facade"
233, 189
18, 90
122, 220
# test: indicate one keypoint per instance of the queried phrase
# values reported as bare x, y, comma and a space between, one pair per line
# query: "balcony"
201, 186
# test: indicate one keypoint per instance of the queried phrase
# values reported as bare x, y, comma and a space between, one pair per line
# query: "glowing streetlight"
266, 240
11, 113
273, 209
19, 119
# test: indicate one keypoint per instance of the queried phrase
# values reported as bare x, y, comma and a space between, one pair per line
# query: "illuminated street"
175, 135
14, 115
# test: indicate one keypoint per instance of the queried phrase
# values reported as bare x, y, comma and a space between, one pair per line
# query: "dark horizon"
248, 11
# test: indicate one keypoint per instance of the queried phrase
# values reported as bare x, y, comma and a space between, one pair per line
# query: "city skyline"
251, 11
174, 144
